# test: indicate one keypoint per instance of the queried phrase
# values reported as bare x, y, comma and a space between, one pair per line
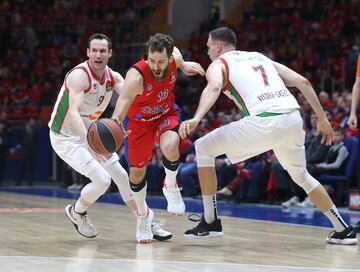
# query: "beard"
164, 75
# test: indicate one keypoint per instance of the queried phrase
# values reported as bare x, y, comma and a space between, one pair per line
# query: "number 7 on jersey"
260, 69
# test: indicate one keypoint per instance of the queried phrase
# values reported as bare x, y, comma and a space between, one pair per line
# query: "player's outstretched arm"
189, 68
355, 101
293, 79
210, 94
76, 82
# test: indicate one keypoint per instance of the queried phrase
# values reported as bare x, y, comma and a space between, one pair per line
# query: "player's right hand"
324, 127
353, 121
125, 132
186, 127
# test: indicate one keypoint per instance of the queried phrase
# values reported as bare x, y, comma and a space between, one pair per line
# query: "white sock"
139, 198
210, 210
335, 218
170, 179
80, 208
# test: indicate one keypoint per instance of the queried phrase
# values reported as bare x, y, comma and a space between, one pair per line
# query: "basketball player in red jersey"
147, 102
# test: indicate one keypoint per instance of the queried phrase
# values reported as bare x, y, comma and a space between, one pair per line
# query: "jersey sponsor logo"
109, 87
155, 110
140, 118
93, 116
85, 115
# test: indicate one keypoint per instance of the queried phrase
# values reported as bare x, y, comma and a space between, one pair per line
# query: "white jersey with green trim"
254, 84
96, 98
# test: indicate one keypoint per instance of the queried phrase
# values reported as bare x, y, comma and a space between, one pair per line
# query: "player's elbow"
303, 83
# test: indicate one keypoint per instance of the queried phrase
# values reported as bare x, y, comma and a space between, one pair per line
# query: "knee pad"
121, 179
203, 157
100, 182
100, 177
303, 179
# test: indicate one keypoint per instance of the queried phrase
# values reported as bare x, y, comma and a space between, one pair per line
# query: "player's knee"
121, 179
170, 150
105, 182
302, 177
120, 175
203, 156
137, 175
101, 178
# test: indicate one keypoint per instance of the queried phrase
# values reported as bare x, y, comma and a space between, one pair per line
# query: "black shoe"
345, 237
203, 229
357, 227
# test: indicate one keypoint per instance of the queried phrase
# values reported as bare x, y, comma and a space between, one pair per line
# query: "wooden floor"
36, 236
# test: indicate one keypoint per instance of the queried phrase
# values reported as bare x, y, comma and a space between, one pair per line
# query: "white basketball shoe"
159, 233
144, 233
176, 205
81, 222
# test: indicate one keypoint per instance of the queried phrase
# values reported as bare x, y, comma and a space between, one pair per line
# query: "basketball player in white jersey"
84, 96
271, 120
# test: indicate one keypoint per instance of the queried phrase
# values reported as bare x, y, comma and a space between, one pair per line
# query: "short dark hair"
158, 42
225, 35
100, 36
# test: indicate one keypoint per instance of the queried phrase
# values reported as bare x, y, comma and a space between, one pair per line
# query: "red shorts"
144, 134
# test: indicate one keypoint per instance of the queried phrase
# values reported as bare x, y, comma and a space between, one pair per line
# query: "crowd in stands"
45, 39
317, 39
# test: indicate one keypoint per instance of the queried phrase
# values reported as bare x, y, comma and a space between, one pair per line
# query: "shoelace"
175, 196
84, 217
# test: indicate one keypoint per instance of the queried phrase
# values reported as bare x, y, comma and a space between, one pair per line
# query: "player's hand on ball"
125, 132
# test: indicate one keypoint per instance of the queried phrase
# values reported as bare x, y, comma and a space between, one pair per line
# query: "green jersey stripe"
239, 99
61, 112
268, 114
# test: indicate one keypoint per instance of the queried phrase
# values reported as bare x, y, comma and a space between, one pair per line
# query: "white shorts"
253, 135
77, 154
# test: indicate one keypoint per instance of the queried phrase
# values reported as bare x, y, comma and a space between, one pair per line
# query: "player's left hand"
186, 127
324, 127
190, 68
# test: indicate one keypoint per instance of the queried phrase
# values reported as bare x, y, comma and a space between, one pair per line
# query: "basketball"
105, 136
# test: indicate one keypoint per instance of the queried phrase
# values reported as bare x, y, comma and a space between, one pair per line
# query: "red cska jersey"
157, 98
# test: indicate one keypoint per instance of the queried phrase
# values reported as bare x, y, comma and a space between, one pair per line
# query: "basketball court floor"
36, 236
